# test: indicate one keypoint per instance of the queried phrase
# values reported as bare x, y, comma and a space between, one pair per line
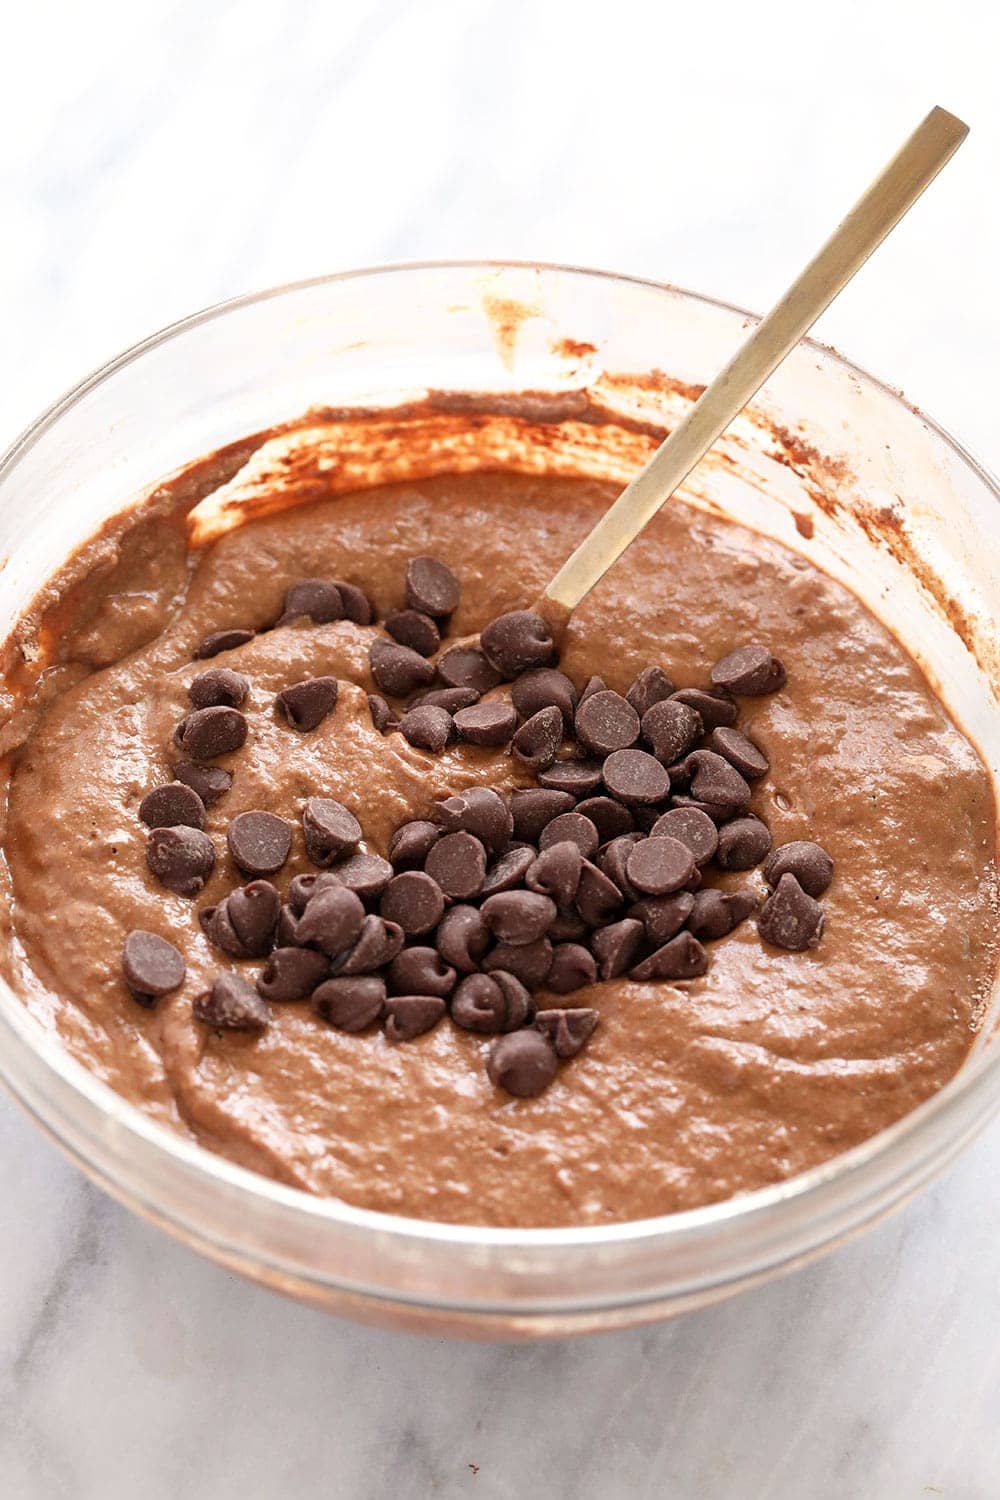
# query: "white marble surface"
158, 156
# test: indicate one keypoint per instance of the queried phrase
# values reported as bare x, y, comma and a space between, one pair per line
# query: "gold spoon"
878, 211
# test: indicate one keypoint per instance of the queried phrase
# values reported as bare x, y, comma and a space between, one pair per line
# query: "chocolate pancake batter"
687, 1091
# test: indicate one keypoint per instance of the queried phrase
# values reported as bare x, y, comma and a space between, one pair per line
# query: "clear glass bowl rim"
974, 1091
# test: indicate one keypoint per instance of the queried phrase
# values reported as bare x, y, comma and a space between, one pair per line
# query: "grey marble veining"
158, 157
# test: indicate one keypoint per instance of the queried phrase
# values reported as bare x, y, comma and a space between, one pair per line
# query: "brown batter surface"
687, 1093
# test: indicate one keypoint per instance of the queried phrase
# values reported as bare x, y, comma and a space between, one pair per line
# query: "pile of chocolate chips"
595, 870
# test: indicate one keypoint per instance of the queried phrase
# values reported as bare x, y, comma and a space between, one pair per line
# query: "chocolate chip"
467, 667
743, 844
592, 686
568, 927
480, 811
693, 827
568, 1031
304, 887
181, 858
462, 937
534, 808
606, 721
414, 899
556, 872
663, 916
172, 805
252, 911
377, 946
528, 962
407, 1016
210, 782
152, 966
523, 1062
660, 866
287, 932
209, 732
431, 586
306, 704
616, 946
573, 967
682, 958
454, 699
330, 830
613, 860
397, 670
486, 723
350, 1004
457, 862
332, 920
222, 640
671, 729
219, 930
428, 728
518, 917
717, 812
790, 918
410, 627
509, 870
544, 687
218, 686
579, 777
715, 781
536, 742
259, 842
635, 777
597, 897
714, 708
367, 874
357, 605
749, 671
651, 686
411, 844
574, 827
808, 862
517, 642
382, 715
292, 974
232, 1005
740, 752
489, 1003
421, 971
611, 819
318, 598
715, 913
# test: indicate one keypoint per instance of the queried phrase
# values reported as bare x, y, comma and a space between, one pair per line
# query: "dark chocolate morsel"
292, 974
714, 780
517, 642
633, 776
432, 587
616, 946
660, 866
378, 944
330, 830
350, 1003
613, 861
306, 704
544, 687
534, 807
743, 844
528, 962
221, 640
712, 705
287, 932
259, 842
597, 897
152, 966
556, 872
611, 818
411, 627
808, 862
357, 605
457, 862
575, 828
670, 729
490, 723
181, 858
467, 667
580, 777
568, 1031
716, 913
367, 874
682, 958
218, 685
428, 728
748, 672
421, 971
382, 715
605, 721
537, 741
397, 670
172, 805
572, 967
488, 1003
452, 698
413, 899
232, 1004
593, 685
319, 598
790, 918
219, 930
523, 1063
462, 937
740, 752
411, 844
407, 1016
651, 686
663, 916
478, 810
252, 912
509, 870
693, 827
518, 917
210, 782
304, 887
209, 732
332, 920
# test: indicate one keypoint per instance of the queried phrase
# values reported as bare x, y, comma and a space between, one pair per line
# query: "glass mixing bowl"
828, 460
